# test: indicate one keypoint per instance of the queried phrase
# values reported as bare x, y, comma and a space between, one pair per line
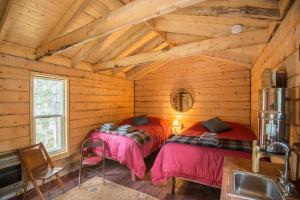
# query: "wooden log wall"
94, 99
218, 89
282, 52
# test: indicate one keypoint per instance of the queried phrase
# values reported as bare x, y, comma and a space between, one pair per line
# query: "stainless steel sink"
253, 186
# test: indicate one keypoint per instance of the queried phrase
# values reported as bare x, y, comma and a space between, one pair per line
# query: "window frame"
56, 155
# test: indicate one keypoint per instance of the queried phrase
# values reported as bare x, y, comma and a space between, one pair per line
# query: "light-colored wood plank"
283, 45
192, 49
140, 71
196, 28
283, 7
217, 91
241, 9
178, 39
63, 24
132, 13
14, 132
104, 48
6, 19
251, 22
269, 4
146, 38
125, 42
17, 50
85, 51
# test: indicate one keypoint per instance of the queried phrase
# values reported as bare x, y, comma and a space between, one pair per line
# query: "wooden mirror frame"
182, 105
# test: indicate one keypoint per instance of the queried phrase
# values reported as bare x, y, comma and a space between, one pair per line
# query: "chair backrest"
35, 157
97, 145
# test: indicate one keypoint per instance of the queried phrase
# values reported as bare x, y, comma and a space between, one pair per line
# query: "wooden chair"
92, 154
38, 166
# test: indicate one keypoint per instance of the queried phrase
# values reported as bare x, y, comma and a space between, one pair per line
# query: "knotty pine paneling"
218, 90
94, 99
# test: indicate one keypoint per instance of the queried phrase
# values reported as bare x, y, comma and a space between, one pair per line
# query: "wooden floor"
120, 174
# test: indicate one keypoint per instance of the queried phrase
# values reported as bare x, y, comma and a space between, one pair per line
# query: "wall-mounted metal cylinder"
272, 118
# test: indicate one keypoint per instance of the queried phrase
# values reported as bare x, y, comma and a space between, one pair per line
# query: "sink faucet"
286, 186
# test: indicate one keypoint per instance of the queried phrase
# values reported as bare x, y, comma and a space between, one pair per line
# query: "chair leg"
38, 189
103, 170
79, 177
60, 182
25, 185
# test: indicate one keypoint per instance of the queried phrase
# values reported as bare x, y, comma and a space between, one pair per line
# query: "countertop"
241, 164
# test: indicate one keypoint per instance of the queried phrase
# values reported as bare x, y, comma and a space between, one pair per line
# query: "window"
49, 111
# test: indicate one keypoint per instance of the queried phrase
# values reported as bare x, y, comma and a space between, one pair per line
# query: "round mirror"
182, 100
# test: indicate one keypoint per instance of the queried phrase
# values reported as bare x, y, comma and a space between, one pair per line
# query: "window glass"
49, 112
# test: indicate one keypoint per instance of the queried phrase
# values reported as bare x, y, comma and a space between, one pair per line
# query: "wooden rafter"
267, 4
92, 45
196, 28
135, 34
6, 19
268, 56
132, 13
142, 70
159, 47
195, 48
146, 38
161, 34
245, 9
70, 16
85, 51
261, 23
284, 6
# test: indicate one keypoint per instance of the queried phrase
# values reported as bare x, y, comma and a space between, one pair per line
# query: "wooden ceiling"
125, 36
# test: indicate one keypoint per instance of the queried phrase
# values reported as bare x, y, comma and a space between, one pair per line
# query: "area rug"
95, 189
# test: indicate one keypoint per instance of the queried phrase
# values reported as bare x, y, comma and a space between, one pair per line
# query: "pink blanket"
128, 152
202, 164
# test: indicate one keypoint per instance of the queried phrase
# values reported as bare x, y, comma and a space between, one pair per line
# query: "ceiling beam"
246, 54
85, 51
284, 6
247, 10
130, 14
269, 4
142, 70
246, 21
192, 49
6, 19
136, 45
179, 39
122, 44
70, 16
159, 47
270, 56
161, 34
89, 47
196, 28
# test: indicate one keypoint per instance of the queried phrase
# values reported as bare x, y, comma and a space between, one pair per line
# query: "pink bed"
200, 164
128, 152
